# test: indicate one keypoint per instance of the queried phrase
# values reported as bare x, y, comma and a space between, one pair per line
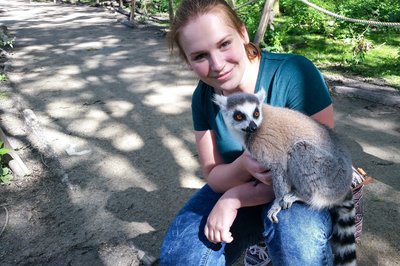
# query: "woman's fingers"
216, 236
227, 237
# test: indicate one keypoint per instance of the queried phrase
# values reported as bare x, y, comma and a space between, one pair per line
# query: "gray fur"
307, 161
239, 99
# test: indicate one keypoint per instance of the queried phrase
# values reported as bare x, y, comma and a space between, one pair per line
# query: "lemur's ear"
220, 100
261, 95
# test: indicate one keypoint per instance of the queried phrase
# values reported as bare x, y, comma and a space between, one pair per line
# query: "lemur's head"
242, 111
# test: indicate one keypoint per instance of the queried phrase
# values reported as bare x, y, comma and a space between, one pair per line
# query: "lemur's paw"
288, 200
273, 212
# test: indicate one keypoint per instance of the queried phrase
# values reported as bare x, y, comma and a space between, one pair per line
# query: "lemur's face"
241, 111
245, 117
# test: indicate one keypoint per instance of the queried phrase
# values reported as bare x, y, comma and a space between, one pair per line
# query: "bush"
5, 173
5, 39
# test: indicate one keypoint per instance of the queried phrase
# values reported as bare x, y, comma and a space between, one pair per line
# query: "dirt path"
110, 145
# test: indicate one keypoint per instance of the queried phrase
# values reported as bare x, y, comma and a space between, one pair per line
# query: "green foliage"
155, 6
5, 173
6, 40
301, 18
360, 46
250, 15
274, 40
336, 46
3, 77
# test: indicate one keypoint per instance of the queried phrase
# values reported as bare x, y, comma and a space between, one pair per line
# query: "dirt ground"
100, 114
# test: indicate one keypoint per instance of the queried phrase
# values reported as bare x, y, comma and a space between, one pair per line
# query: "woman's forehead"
207, 29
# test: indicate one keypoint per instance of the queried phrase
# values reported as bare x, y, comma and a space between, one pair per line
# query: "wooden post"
265, 19
171, 11
133, 7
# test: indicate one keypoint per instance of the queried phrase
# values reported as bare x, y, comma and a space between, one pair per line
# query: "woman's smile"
224, 76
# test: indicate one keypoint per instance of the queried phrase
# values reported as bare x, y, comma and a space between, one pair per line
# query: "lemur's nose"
252, 127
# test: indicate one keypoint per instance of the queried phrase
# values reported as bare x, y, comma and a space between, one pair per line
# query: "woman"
229, 213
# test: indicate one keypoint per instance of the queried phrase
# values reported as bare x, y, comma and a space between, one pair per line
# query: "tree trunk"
171, 11
266, 19
133, 7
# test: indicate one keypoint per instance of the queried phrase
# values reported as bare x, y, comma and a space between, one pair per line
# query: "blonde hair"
191, 9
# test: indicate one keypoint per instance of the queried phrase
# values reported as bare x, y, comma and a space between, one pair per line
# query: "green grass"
4, 95
333, 53
336, 56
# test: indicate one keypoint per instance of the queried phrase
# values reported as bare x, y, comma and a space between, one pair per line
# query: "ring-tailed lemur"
307, 161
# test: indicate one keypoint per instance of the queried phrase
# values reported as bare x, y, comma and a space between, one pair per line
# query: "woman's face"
215, 51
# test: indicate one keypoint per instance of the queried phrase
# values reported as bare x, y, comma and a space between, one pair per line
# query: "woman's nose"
217, 62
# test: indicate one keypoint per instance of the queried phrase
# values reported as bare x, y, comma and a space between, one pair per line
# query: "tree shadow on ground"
112, 90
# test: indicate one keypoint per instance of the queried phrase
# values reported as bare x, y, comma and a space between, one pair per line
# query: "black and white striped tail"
343, 239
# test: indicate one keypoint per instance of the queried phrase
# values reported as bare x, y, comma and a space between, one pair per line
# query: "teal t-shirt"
289, 80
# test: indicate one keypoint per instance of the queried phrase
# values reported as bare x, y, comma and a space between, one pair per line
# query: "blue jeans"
300, 238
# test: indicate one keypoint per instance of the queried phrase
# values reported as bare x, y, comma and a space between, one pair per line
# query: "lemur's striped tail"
343, 239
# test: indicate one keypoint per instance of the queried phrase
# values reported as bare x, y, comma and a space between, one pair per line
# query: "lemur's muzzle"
251, 128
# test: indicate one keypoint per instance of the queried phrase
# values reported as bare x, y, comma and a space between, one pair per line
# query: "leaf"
5, 171
4, 151
6, 179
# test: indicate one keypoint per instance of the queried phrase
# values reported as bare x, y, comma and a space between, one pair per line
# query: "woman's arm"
232, 180
220, 176
325, 116
223, 214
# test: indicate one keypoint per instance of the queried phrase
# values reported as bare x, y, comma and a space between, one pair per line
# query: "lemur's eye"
256, 113
238, 116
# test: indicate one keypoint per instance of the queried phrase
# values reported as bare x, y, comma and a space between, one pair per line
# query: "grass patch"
3, 77
381, 61
371, 53
4, 95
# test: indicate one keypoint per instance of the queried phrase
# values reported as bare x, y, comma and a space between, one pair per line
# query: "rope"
369, 22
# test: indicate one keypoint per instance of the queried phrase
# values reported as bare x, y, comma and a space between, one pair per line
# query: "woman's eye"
225, 44
199, 57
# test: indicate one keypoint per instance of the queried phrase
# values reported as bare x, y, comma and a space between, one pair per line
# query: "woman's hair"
191, 9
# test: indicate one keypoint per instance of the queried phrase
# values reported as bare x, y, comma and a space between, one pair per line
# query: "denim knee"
185, 242
301, 237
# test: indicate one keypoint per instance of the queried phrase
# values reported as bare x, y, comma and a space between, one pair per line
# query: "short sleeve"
306, 88
199, 117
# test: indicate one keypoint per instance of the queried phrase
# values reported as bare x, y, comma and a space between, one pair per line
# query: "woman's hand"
256, 169
220, 221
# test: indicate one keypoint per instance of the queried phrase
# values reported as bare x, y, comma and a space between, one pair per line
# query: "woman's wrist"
245, 176
248, 194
